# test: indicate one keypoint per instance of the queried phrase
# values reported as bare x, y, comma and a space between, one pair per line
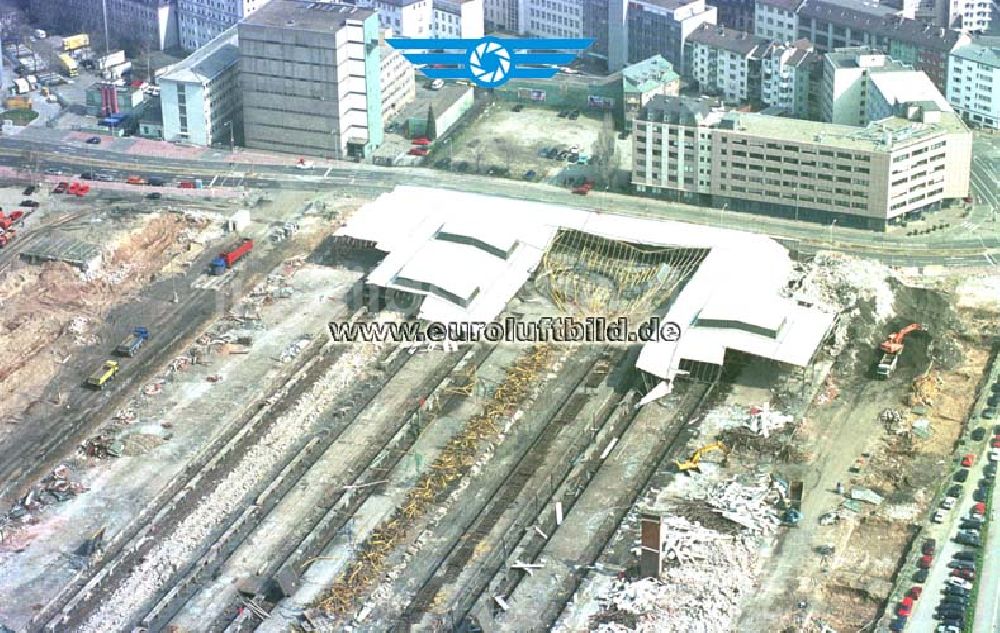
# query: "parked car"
971, 541
925, 561
155, 195
964, 555
30, 189
53, 171
530, 174
563, 114
105, 177
959, 600
958, 575
948, 503
939, 516
955, 491
418, 151
94, 140
33, 204
61, 187
920, 575
962, 475
962, 564
970, 524
915, 592
980, 494
574, 115
968, 460
928, 546
898, 624
518, 108
978, 434
88, 175
952, 590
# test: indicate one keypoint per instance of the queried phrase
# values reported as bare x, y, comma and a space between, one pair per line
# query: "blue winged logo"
490, 61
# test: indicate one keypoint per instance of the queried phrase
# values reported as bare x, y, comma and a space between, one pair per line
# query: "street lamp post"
232, 140
832, 224
722, 210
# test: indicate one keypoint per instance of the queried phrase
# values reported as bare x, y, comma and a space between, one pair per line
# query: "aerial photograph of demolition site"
423, 355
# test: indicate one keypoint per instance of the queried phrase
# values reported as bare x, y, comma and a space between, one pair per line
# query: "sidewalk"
988, 601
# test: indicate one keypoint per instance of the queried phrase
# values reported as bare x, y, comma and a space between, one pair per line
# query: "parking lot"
953, 563
503, 141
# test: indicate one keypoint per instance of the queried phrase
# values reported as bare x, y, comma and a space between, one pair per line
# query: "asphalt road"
957, 248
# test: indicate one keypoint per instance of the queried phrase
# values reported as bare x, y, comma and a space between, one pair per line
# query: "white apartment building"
200, 96
405, 18
786, 73
398, 81
777, 20
458, 19
860, 85
201, 21
970, 16
894, 168
725, 62
974, 82
552, 18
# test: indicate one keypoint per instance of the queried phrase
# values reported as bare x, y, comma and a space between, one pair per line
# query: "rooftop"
648, 74
878, 136
440, 100
208, 62
306, 15
727, 39
864, 57
788, 5
910, 86
980, 50
882, 21
683, 110
799, 52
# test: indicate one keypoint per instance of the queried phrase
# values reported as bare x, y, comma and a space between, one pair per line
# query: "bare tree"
478, 152
606, 153
507, 151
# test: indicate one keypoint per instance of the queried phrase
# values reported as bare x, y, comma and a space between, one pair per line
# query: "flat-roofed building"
974, 82
310, 76
860, 176
657, 27
725, 62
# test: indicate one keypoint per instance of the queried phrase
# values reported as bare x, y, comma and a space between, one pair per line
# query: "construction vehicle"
101, 377
69, 65
792, 504
73, 42
894, 343
692, 462
132, 342
891, 347
227, 259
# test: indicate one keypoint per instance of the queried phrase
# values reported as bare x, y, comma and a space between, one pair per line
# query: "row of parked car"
953, 605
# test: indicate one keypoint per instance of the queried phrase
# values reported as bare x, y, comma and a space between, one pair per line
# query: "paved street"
989, 576
952, 247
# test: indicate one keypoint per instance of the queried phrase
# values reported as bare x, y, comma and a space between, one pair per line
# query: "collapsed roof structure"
467, 255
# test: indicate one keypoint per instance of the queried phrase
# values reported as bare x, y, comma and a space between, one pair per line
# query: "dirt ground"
48, 309
504, 138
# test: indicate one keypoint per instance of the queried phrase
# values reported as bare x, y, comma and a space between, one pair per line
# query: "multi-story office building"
831, 25
310, 78
970, 16
736, 14
503, 15
974, 82
789, 76
858, 176
777, 20
658, 27
405, 18
397, 80
201, 21
200, 96
553, 18
725, 62
148, 24
458, 19
861, 85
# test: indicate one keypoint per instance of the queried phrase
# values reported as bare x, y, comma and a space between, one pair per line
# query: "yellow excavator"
695, 459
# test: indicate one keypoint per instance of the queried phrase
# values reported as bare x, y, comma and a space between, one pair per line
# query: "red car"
995, 443
915, 591
903, 612
419, 151
61, 187
965, 574
421, 140
979, 508
584, 189
968, 460
925, 561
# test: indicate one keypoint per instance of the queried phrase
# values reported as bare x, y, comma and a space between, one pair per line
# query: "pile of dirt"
41, 303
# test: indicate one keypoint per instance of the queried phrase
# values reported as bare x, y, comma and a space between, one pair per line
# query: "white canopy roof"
738, 282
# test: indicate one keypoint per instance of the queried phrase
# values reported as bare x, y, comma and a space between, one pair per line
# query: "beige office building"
693, 150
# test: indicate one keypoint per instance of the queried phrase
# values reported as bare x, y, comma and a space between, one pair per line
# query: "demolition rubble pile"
178, 548
841, 282
707, 573
55, 487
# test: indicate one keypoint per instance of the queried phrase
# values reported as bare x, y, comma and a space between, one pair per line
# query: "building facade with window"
661, 27
974, 82
200, 96
458, 19
149, 24
789, 77
777, 20
866, 177
725, 62
310, 76
201, 21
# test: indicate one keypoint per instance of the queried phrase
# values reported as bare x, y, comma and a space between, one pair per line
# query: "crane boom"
894, 343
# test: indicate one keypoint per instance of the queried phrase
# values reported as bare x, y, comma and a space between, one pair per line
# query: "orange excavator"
894, 343
891, 347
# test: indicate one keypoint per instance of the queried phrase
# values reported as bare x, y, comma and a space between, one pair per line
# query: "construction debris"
102, 447
866, 495
762, 420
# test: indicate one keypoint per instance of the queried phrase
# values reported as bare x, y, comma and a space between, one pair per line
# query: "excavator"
692, 462
891, 348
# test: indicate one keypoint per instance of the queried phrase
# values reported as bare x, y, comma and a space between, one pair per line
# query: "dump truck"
887, 365
101, 377
227, 259
73, 42
132, 342
792, 504
69, 65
